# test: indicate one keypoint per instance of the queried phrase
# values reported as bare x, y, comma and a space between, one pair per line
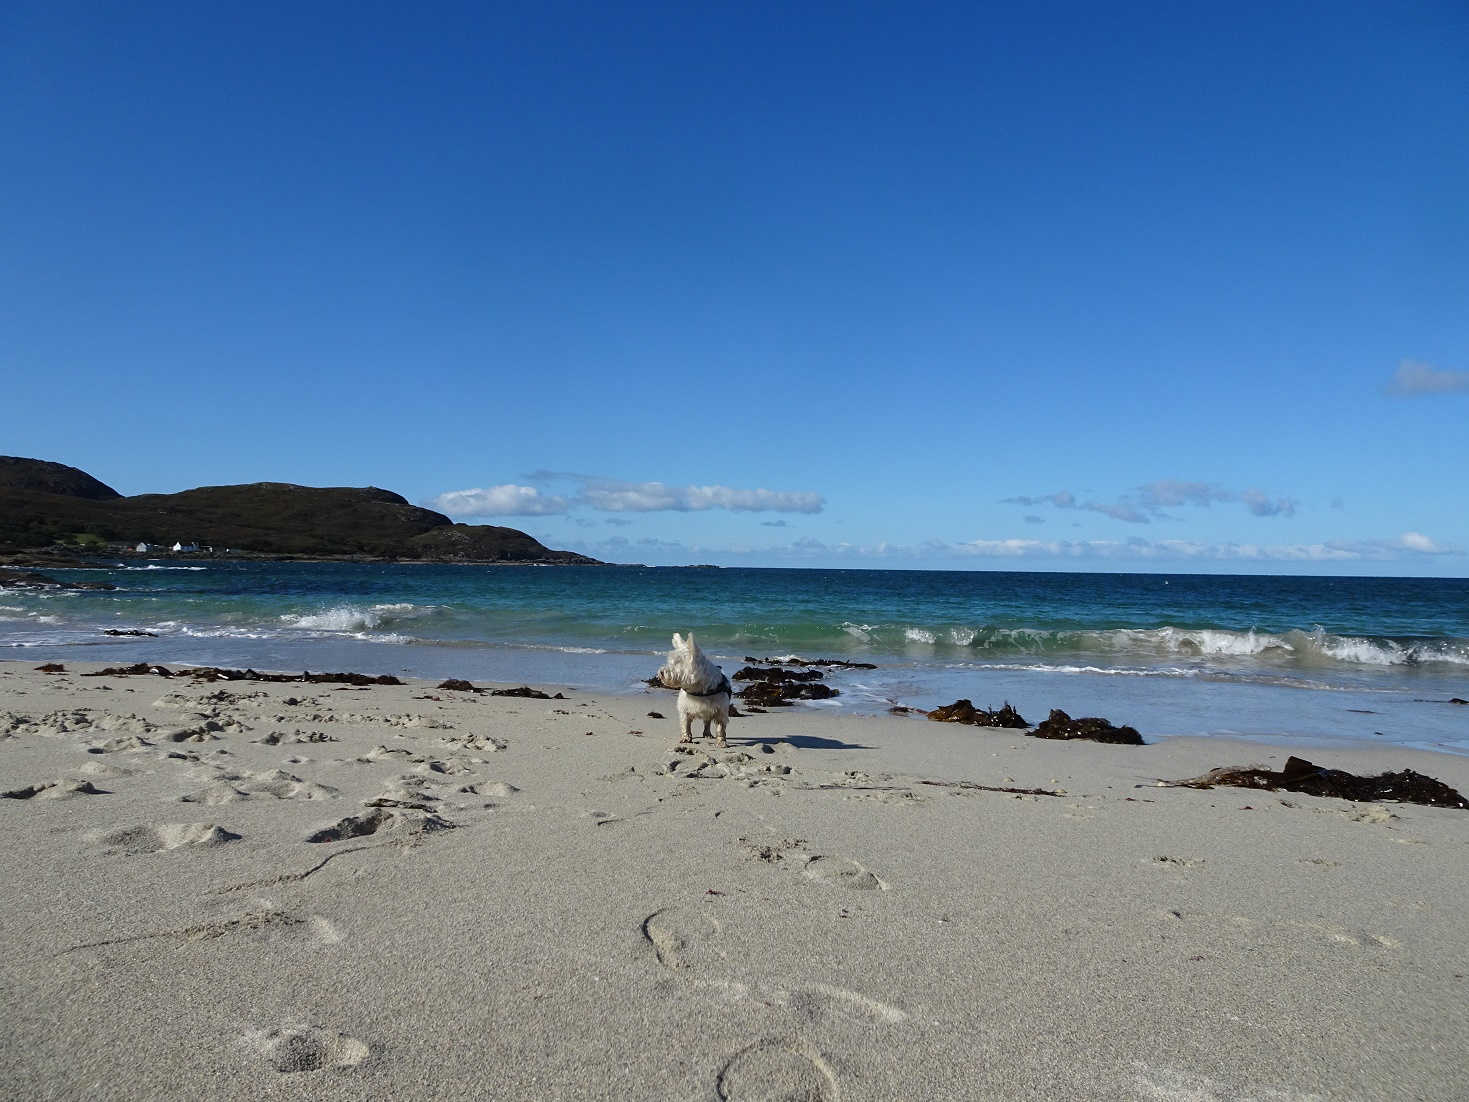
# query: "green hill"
51, 478
44, 506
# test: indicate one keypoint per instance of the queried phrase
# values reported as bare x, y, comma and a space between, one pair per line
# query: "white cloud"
612, 496
1417, 541
1262, 506
508, 500
1413, 377
648, 497
1120, 510
1164, 552
1147, 502
1061, 499
1170, 493
1329, 551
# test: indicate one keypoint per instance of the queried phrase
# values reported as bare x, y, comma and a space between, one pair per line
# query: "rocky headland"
52, 514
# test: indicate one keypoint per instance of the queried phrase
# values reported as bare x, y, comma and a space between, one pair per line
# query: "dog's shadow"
803, 742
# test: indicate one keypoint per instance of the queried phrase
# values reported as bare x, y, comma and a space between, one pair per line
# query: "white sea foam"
559, 649
1315, 647
352, 619
1106, 671
919, 635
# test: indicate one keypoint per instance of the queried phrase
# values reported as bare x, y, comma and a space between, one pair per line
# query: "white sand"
599, 917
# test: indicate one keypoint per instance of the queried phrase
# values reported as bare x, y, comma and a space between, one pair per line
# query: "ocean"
1308, 661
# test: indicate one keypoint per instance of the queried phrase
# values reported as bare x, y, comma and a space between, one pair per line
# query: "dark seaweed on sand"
1300, 775
964, 711
214, 673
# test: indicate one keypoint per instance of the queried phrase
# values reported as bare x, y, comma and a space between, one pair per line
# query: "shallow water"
1299, 659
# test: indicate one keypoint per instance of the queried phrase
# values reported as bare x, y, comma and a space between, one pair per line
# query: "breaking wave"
353, 620
157, 566
1296, 647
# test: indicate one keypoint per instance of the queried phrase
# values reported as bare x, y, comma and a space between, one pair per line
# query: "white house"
143, 548
185, 547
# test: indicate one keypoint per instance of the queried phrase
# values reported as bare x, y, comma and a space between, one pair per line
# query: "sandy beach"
285, 890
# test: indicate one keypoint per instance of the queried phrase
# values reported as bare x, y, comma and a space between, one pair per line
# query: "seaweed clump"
215, 673
1059, 725
1300, 775
964, 711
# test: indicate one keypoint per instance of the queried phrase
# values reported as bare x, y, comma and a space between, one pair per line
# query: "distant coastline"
55, 515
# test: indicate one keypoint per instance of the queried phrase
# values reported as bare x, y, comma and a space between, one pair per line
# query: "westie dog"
703, 690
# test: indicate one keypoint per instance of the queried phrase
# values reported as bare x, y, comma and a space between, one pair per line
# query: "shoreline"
546, 898
1306, 716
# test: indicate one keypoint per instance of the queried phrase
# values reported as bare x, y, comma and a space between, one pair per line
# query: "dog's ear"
677, 642
689, 642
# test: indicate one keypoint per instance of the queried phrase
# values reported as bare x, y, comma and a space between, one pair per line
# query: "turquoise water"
1306, 658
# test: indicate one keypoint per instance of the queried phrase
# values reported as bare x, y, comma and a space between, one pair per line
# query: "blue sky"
1052, 286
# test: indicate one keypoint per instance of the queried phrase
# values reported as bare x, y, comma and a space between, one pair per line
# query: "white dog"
703, 690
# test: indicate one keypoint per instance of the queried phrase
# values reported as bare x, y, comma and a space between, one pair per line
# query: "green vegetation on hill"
51, 478
46, 505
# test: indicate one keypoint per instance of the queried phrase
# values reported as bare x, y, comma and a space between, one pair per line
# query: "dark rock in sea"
527, 692
1300, 775
1457, 700
131, 631
905, 710
833, 663
1059, 725
776, 673
962, 711
777, 694
31, 579
459, 685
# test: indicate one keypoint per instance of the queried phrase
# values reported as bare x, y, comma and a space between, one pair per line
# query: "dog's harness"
722, 687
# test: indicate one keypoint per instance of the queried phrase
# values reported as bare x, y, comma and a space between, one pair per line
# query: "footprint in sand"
684, 937
288, 786
229, 787
275, 738
121, 743
819, 1001
499, 789
772, 1071
294, 1049
54, 790
105, 771
396, 821
839, 872
1337, 935
164, 836
220, 792
266, 922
